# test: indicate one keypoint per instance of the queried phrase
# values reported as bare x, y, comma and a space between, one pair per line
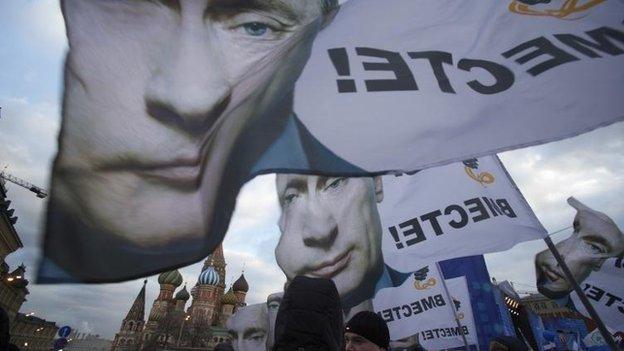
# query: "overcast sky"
589, 167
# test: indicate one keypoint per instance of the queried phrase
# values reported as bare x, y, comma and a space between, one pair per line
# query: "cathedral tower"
180, 299
229, 301
129, 336
217, 260
164, 303
203, 309
241, 288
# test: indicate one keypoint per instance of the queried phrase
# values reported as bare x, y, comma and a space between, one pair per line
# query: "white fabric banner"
406, 84
458, 288
420, 307
471, 208
605, 291
151, 160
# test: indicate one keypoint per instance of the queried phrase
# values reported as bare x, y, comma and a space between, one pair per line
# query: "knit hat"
224, 346
369, 325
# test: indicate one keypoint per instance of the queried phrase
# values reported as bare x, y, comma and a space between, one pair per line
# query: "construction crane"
40, 192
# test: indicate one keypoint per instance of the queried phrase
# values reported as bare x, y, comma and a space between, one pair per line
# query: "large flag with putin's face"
593, 254
168, 110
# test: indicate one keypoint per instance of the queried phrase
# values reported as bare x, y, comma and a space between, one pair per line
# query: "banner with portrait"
593, 254
164, 121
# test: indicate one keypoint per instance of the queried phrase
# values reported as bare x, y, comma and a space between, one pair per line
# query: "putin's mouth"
186, 176
180, 172
551, 274
330, 268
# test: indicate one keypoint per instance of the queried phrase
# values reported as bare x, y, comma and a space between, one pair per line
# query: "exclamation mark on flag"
341, 62
395, 236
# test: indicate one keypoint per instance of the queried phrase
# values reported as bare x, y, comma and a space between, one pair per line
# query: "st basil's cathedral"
170, 324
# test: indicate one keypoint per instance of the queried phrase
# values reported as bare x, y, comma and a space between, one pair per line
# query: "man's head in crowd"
309, 316
595, 239
157, 94
330, 228
273, 303
406, 344
248, 328
366, 331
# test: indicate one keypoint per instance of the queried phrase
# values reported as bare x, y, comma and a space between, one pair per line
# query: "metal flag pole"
588, 306
452, 305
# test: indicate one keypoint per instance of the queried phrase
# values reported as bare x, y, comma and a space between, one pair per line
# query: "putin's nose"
189, 88
320, 228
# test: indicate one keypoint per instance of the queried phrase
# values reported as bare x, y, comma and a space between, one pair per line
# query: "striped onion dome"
208, 277
229, 298
172, 277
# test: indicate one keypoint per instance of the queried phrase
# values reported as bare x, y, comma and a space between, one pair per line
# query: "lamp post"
186, 318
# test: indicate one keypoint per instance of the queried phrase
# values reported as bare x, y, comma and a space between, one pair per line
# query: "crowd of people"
310, 317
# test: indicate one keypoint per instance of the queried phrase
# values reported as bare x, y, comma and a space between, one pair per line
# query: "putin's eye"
289, 197
335, 183
256, 29
257, 337
595, 248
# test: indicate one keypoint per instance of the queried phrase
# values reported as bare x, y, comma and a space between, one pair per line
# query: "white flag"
461, 209
420, 307
409, 84
605, 291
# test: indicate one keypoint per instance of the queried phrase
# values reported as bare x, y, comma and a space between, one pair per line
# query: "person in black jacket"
4, 330
309, 317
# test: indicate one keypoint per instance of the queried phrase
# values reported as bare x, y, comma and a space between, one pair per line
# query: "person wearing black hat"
224, 346
366, 331
309, 317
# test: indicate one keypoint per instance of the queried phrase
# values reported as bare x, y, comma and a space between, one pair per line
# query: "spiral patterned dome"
229, 298
172, 277
208, 277
183, 294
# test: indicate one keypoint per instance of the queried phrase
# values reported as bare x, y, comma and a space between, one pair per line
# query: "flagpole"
588, 306
452, 305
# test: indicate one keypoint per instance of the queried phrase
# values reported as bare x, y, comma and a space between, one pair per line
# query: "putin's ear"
378, 189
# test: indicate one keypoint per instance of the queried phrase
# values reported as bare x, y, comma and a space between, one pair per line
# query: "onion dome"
241, 284
183, 294
208, 277
229, 298
172, 277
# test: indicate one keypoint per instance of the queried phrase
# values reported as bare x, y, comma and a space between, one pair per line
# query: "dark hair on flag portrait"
167, 107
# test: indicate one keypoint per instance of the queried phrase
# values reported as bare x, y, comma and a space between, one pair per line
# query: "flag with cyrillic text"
463, 209
164, 121
420, 307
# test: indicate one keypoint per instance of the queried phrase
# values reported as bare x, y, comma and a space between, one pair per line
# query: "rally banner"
605, 291
420, 307
458, 288
593, 254
430, 82
463, 209
164, 121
